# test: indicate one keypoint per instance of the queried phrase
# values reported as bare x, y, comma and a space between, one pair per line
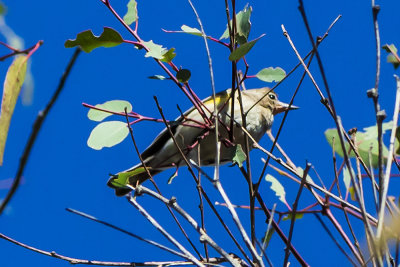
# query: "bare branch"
151, 242
71, 260
154, 222
204, 237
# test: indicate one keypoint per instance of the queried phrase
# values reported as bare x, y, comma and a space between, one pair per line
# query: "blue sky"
63, 172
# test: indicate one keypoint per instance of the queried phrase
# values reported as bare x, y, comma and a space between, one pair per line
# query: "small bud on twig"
381, 115
372, 93
352, 131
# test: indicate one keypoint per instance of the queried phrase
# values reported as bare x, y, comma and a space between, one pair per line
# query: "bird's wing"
192, 113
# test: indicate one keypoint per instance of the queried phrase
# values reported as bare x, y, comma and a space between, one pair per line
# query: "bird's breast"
258, 121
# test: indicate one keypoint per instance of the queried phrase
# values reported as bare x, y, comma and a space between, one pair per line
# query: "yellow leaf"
12, 86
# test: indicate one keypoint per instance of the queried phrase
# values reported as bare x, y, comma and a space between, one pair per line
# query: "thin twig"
195, 178
285, 33
294, 210
216, 213
264, 244
238, 224
328, 104
354, 213
158, 190
375, 11
343, 207
373, 182
273, 139
235, 87
339, 228
201, 204
208, 37
154, 222
374, 94
151, 242
215, 112
331, 108
359, 198
334, 240
310, 183
204, 237
74, 261
386, 179
291, 101
17, 52
279, 231
37, 125
232, 47
183, 87
220, 189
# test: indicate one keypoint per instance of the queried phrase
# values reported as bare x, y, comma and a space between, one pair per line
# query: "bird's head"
275, 105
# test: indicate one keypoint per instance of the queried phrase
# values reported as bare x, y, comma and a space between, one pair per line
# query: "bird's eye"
271, 96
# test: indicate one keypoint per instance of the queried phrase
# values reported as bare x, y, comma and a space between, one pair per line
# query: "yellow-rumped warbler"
197, 141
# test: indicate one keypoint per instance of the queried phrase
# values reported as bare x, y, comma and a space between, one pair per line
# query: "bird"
196, 138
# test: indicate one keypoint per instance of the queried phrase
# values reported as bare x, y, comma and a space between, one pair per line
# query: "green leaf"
391, 58
239, 156
397, 141
108, 134
372, 131
155, 50
347, 177
332, 137
271, 74
366, 141
12, 86
277, 187
113, 106
364, 145
243, 49
183, 75
169, 55
352, 193
243, 26
191, 30
300, 171
290, 216
87, 41
387, 48
158, 77
267, 237
131, 15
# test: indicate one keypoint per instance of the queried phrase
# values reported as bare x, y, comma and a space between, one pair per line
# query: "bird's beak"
282, 107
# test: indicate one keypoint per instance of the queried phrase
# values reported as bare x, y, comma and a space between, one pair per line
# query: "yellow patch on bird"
220, 99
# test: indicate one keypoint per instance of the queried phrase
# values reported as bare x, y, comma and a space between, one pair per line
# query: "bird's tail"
132, 177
